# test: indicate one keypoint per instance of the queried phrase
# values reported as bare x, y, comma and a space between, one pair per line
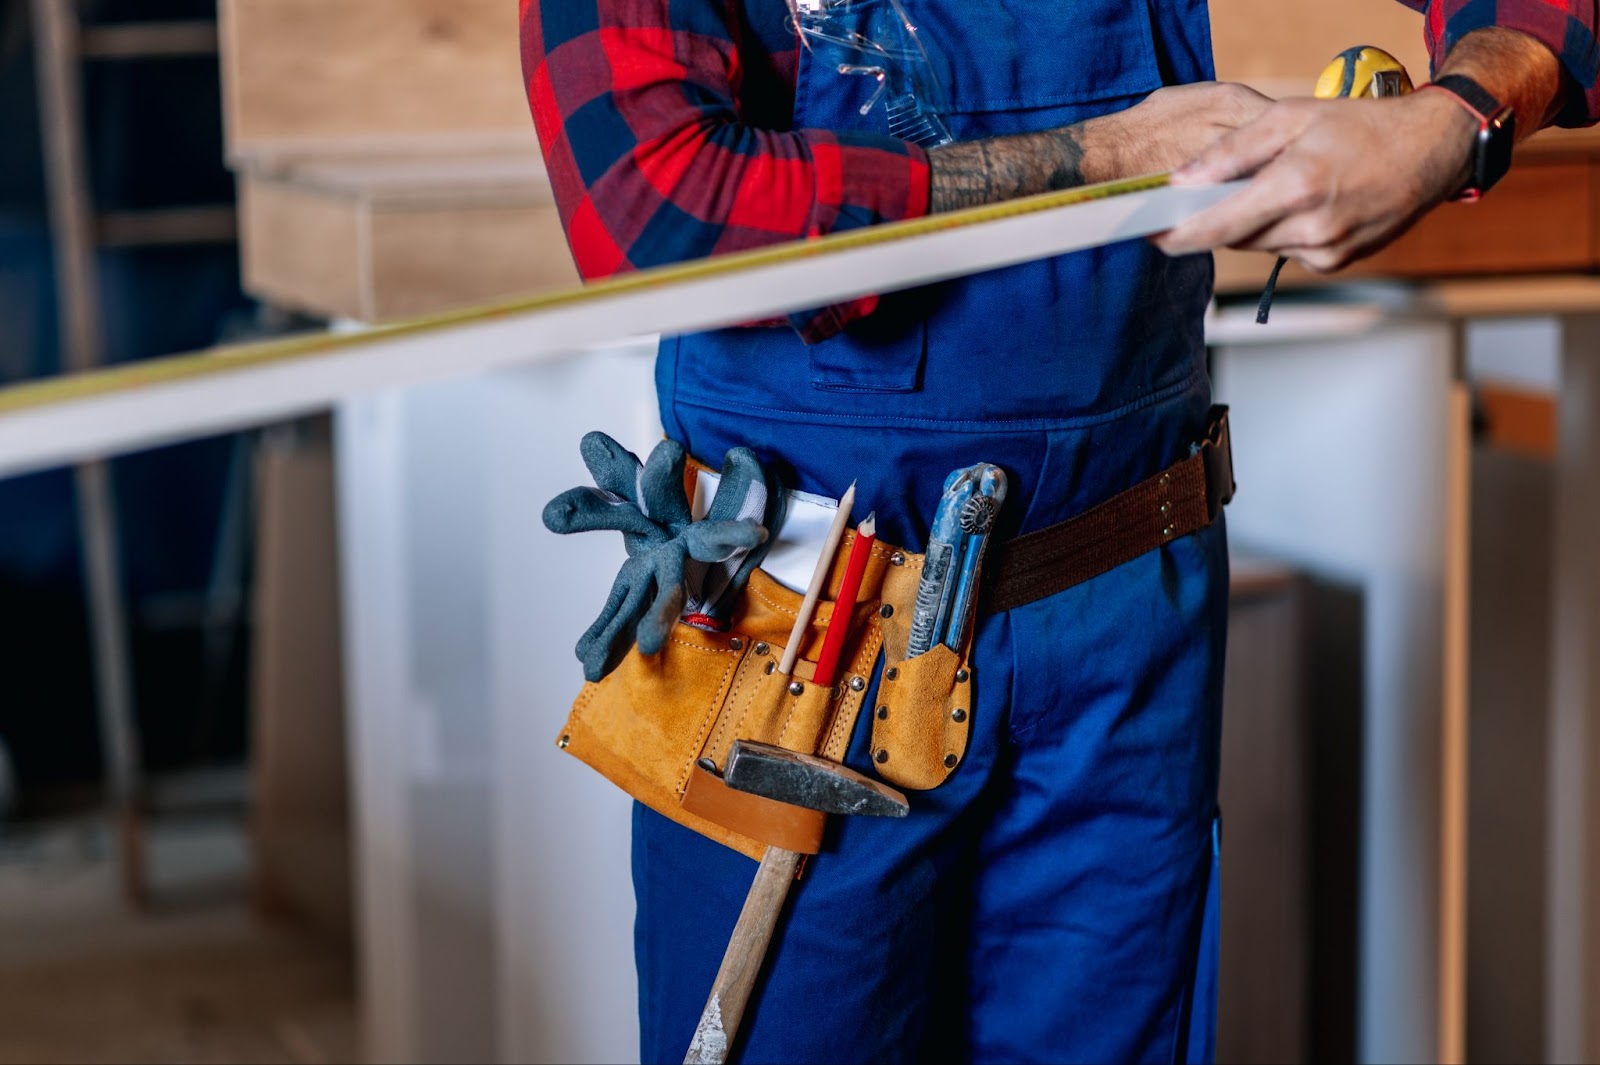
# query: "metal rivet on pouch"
1166, 508
796, 688
1166, 479
883, 713
882, 756
772, 667
897, 559
950, 761
736, 644
886, 611
1167, 531
761, 648
962, 676
891, 673
958, 715
564, 741
857, 684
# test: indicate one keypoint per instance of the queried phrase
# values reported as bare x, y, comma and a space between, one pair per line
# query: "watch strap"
1478, 100
1491, 151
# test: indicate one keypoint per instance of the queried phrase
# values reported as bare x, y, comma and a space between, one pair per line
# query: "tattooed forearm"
1002, 168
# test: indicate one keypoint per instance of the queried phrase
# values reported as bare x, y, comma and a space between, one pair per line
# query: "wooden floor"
195, 980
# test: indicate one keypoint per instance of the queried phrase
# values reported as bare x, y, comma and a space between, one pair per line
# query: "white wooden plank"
238, 388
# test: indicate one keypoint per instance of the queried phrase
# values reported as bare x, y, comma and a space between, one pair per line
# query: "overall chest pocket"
1027, 65
883, 352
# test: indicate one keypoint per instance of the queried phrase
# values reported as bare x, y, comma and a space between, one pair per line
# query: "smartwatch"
1497, 128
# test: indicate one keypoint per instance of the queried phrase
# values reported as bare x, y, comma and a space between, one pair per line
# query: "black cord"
1264, 308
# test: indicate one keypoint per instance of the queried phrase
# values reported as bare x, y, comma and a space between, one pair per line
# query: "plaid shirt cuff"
1551, 22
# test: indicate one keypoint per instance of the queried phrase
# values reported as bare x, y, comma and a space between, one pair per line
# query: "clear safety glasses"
876, 39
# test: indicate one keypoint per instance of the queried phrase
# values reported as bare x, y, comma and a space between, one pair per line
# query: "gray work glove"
672, 559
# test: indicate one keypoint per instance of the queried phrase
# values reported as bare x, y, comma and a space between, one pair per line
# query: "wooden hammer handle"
741, 964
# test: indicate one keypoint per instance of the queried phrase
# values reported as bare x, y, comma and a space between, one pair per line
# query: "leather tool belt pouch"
650, 724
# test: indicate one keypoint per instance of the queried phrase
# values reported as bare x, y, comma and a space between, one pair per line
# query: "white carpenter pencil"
819, 577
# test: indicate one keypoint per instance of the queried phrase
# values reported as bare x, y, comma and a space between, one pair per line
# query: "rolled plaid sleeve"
1567, 27
637, 108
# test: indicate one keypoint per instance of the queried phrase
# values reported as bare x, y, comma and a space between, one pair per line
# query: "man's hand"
1334, 180
1169, 127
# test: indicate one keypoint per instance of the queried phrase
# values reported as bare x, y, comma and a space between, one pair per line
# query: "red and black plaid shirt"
666, 128
1567, 27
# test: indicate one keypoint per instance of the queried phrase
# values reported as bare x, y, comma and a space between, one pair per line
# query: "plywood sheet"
386, 71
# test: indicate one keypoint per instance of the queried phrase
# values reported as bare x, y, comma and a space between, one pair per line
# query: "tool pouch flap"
922, 717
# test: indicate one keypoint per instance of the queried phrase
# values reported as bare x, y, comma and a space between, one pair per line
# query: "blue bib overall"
1055, 899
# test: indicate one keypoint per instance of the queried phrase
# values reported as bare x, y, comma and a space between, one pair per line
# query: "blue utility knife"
941, 567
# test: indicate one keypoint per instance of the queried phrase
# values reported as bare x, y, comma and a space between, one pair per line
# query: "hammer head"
808, 781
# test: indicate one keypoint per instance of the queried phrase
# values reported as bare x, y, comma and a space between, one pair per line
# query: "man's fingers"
1245, 150
1297, 235
1316, 193
1254, 209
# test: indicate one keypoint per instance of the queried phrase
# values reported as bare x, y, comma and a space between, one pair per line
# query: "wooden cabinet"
384, 238
1541, 219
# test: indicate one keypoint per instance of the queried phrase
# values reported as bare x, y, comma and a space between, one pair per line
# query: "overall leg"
862, 944
1096, 858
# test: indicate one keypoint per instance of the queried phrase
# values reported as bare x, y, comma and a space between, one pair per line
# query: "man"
1054, 899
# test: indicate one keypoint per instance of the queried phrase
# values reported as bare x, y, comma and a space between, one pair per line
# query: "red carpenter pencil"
845, 606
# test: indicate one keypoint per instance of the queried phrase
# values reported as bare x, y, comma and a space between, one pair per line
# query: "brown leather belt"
1182, 499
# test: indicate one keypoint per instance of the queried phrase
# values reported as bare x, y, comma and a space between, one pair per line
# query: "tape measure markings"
163, 400
231, 357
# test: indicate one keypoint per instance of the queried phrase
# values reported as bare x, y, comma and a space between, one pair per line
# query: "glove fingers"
649, 504
661, 493
715, 563
742, 492
656, 625
750, 492
606, 642
621, 589
614, 468
657, 622
594, 645
588, 510
718, 541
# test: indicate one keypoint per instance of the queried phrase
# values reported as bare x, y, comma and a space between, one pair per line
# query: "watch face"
1495, 141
